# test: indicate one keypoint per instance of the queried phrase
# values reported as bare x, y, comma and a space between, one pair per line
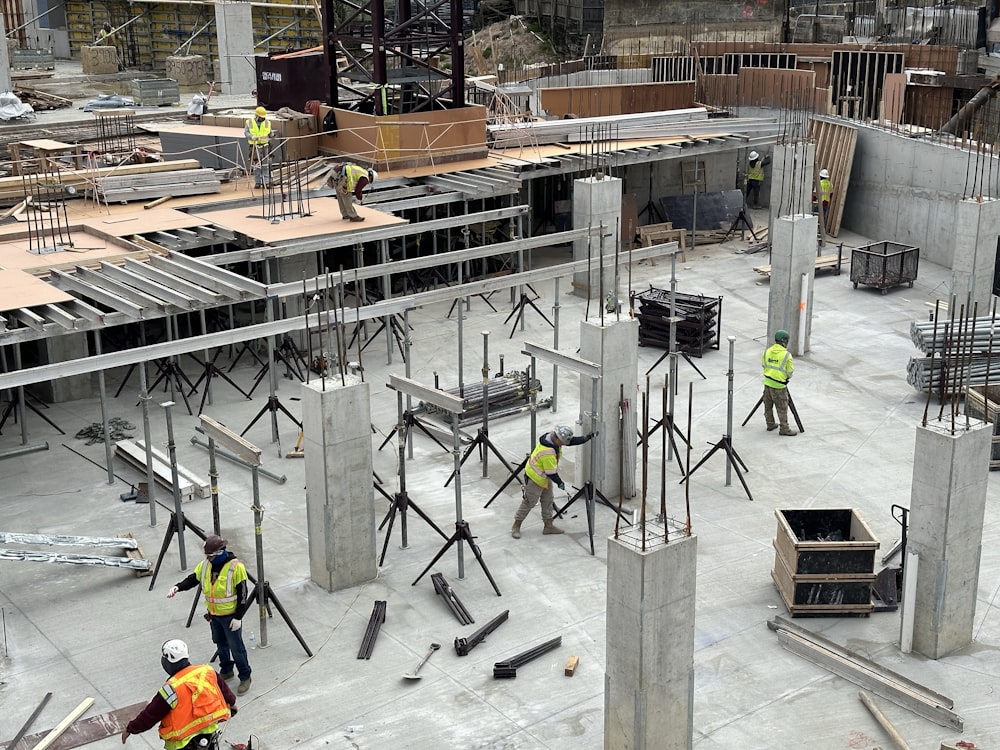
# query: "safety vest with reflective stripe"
353, 173
756, 171
196, 706
825, 191
220, 597
778, 366
259, 132
544, 460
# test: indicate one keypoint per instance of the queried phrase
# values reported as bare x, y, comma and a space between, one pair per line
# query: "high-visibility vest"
778, 365
352, 173
756, 171
544, 460
220, 596
260, 132
825, 191
196, 706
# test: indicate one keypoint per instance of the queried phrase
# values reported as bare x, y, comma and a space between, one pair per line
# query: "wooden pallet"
823, 263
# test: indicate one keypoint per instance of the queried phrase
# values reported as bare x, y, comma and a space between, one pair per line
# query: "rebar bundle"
507, 394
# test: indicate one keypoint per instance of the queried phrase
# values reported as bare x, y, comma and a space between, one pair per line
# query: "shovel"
415, 674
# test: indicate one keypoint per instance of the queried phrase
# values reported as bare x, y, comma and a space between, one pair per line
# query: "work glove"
233, 711
592, 435
235, 624
562, 485
173, 592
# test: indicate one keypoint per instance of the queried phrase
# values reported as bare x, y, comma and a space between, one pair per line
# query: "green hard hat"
781, 336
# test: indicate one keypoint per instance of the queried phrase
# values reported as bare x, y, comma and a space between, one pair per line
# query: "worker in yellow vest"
778, 366
541, 474
189, 706
755, 178
257, 130
223, 581
825, 189
350, 181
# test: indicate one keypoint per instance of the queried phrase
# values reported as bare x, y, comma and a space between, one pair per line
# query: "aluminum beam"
64, 281
185, 287
566, 361
440, 399
148, 285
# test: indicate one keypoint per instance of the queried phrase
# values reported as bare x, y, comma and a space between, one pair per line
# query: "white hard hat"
564, 433
754, 156
174, 650
824, 174
372, 175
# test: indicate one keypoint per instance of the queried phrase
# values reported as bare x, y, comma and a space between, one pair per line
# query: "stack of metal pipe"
960, 353
508, 394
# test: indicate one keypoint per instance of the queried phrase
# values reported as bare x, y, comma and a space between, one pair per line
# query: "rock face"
509, 42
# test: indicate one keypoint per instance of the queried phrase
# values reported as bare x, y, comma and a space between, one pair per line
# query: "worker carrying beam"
541, 473
189, 706
346, 179
778, 366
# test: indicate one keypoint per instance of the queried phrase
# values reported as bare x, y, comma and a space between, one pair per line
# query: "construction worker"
346, 179
755, 178
541, 473
778, 365
105, 36
825, 189
223, 581
257, 130
189, 706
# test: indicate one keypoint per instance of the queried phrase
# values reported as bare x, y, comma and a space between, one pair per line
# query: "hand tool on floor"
415, 674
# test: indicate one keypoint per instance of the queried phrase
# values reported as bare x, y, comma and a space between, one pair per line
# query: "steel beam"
440, 399
567, 361
148, 285
64, 281
61, 317
95, 278
162, 277
197, 276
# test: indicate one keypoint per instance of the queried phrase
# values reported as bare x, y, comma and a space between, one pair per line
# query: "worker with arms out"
348, 179
541, 473
778, 366
223, 581
257, 130
189, 706
755, 178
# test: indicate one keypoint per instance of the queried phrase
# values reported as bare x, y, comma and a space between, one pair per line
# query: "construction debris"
134, 558
85, 731
119, 429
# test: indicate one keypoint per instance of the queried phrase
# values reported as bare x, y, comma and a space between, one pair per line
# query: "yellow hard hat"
260, 112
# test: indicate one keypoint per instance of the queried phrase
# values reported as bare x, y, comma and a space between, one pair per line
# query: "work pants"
776, 398
753, 192
532, 493
230, 646
345, 199
260, 165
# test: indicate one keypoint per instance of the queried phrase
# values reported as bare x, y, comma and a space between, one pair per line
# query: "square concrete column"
792, 167
340, 498
947, 505
234, 34
793, 255
615, 347
977, 224
649, 670
5, 78
63, 349
596, 200
295, 268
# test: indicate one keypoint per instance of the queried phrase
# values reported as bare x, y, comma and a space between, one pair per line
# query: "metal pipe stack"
953, 335
959, 354
507, 392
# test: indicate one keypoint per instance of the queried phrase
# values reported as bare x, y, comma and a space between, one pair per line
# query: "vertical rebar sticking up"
967, 370
309, 341
666, 427
687, 464
989, 364
927, 404
115, 131
357, 319
949, 333
622, 437
645, 464
45, 194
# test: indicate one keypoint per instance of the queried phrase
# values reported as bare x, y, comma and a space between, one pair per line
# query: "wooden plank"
135, 456
88, 730
63, 725
571, 664
134, 552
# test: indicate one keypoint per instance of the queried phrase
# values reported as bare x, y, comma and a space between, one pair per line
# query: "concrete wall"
905, 190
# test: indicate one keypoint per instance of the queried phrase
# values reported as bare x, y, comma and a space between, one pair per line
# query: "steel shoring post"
555, 344
456, 452
258, 520
21, 410
386, 295
144, 399
401, 434
175, 482
729, 409
272, 373
409, 399
103, 392
213, 476
534, 406
208, 379
589, 495
486, 401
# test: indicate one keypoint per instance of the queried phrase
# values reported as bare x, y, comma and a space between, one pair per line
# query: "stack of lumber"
134, 452
143, 187
12, 188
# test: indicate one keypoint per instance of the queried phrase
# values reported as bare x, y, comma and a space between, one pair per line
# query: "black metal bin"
884, 265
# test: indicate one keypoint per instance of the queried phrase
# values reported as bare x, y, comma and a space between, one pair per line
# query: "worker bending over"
189, 706
348, 179
541, 473
257, 130
778, 365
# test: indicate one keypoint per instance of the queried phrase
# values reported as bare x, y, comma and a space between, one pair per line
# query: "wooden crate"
824, 561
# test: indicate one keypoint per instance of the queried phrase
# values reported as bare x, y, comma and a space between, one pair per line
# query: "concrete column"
792, 167
62, 349
793, 254
947, 505
976, 229
5, 79
596, 200
292, 268
234, 31
615, 347
649, 663
340, 499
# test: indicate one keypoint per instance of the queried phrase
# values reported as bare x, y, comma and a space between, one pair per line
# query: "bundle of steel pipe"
925, 373
953, 335
511, 389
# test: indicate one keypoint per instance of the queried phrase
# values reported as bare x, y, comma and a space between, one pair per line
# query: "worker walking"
348, 179
778, 365
189, 706
755, 178
223, 581
257, 130
825, 190
541, 473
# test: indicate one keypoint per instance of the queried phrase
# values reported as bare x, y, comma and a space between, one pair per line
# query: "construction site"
585, 221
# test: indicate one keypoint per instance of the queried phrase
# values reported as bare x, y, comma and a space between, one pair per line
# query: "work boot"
786, 430
227, 675
551, 528
515, 530
357, 218
244, 686
771, 427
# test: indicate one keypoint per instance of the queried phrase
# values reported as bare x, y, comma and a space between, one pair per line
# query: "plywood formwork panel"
717, 90
933, 57
893, 98
928, 106
835, 144
767, 87
324, 220
625, 99
21, 289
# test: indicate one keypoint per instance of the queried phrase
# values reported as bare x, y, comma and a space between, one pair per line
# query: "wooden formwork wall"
835, 144
626, 99
770, 87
